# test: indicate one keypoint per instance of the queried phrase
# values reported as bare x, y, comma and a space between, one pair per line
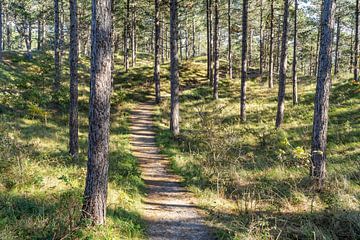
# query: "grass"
252, 179
41, 187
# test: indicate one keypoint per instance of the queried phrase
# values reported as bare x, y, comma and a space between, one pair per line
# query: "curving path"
169, 209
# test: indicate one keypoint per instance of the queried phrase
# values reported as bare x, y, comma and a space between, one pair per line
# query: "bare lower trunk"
229, 41
283, 66
294, 73
56, 47
157, 53
321, 107
39, 34
174, 69
1, 31
261, 61
271, 46
126, 36
356, 48
216, 50
95, 194
244, 61
73, 60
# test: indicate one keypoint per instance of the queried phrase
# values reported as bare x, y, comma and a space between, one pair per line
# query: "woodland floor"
169, 208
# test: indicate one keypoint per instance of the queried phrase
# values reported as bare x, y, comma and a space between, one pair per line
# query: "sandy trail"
169, 208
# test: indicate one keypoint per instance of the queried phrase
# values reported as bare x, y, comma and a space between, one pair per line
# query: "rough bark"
1, 31
283, 66
294, 73
321, 107
336, 70
157, 53
126, 36
356, 48
73, 60
56, 85
244, 61
95, 195
216, 50
229, 42
271, 46
261, 60
174, 69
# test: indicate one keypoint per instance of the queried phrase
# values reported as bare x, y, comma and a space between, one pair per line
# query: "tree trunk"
336, 70
174, 69
210, 55
193, 38
133, 26
162, 39
294, 74
126, 36
229, 41
39, 34
8, 32
1, 32
216, 50
250, 46
56, 85
73, 60
283, 66
244, 61
95, 195
208, 40
356, 49
351, 51
157, 53
271, 47
261, 64
321, 107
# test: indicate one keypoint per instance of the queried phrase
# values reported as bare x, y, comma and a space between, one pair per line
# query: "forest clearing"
167, 119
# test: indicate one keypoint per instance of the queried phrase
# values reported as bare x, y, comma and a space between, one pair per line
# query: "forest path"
169, 208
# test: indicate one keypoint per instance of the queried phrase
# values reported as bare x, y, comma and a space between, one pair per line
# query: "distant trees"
294, 64
1, 31
321, 103
229, 42
174, 69
271, 46
95, 194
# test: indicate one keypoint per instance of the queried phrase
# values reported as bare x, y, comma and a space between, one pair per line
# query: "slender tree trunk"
126, 37
271, 47
208, 39
193, 38
39, 34
56, 47
162, 39
283, 66
321, 107
244, 60
157, 53
174, 69
356, 49
250, 47
73, 60
278, 49
311, 61
95, 195
1, 31
229, 42
216, 50
261, 64
294, 74
336, 70
135, 35
166, 44
351, 51
8, 32
133, 26
211, 43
